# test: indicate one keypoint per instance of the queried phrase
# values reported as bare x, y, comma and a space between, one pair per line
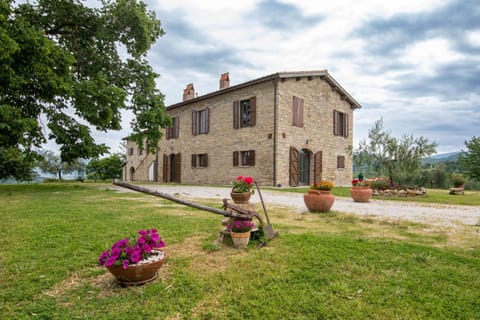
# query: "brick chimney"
224, 81
188, 92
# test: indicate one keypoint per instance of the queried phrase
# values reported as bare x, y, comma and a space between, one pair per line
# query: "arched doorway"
132, 173
304, 167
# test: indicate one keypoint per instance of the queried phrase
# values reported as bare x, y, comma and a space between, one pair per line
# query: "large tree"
69, 67
392, 157
470, 160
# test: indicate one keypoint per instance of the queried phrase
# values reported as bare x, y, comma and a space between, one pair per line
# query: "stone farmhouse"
284, 129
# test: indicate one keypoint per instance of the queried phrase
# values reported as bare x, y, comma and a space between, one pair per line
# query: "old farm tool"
231, 210
268, 228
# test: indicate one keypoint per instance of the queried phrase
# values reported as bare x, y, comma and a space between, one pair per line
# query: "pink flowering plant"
130, 251
243, 184
240, 226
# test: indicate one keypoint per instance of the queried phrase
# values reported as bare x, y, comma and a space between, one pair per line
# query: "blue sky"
416, 64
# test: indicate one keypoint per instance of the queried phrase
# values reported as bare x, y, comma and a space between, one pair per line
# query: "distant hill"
443, 157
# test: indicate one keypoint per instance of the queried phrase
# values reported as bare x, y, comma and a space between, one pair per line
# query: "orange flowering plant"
324, 185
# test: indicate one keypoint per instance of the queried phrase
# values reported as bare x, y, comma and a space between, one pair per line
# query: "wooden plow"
230, 210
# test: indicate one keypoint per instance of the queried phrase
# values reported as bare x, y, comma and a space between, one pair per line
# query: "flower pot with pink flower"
240, 231
135, 260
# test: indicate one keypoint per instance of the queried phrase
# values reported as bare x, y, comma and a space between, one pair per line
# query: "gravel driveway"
435, 214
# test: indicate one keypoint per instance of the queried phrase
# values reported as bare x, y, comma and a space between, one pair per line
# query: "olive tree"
389, 156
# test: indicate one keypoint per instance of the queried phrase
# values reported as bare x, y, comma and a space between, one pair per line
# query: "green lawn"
322, 266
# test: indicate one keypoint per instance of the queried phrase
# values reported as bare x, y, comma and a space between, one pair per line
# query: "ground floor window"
200, 160
244, 158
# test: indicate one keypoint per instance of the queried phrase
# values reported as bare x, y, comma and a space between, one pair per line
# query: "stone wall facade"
272, 137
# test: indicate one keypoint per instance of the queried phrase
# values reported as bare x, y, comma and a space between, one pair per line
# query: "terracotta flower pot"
140, 273
240, 197
361, 193
240, 239
318, 200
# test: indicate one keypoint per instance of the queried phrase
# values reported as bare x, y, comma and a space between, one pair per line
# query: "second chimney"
224, 81
188, 92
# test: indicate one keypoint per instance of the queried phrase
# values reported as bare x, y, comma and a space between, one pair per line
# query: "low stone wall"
420, 192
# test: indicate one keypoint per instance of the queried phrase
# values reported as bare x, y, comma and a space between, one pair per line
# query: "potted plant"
361, 191
242, 189
240, 232
319, 197
135, 260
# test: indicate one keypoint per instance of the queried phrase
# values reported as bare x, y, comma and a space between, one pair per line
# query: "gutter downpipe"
275, 85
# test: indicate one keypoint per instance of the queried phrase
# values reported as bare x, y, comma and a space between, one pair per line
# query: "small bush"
380, 185
458, 180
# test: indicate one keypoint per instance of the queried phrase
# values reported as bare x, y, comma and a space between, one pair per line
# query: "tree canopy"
470, 159
392, 157
66, 66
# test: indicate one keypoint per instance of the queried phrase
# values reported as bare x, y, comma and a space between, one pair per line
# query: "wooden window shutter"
178, 167
207, 120
235, 158
177, 127
236, 114
294, 156
253, 111
206, 159
345, 125
251, 158
165, 168
295, 111
300, 113
194, 160
317, 168
167, 131
340, 162
194, 123
335, 116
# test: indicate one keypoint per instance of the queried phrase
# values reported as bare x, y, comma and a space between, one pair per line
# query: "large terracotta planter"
140, 273
361, 193
240, 197
240, 239
318, 200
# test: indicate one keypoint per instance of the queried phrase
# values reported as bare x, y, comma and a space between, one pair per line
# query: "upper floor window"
174, 129
200, 121
340, 123
244, 113
130, 151
297, 111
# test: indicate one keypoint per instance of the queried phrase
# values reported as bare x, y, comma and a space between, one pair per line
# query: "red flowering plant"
243, 184
240, 226
360, 182
130, 251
